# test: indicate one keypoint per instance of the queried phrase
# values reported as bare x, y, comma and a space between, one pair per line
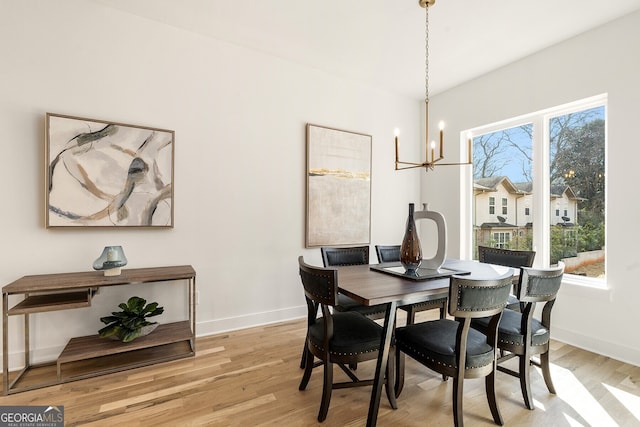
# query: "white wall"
604, 60
239, 117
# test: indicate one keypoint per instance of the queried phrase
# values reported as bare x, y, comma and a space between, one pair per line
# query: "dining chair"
357, 255
335, 257
507, 258
452, 348
521, 334
343, 256
336, 337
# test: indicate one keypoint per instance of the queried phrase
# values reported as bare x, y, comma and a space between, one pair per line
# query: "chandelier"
430, 149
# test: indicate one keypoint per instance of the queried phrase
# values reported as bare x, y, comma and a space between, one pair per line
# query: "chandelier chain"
426, 56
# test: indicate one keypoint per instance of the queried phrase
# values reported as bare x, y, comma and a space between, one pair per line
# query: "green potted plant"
131, 322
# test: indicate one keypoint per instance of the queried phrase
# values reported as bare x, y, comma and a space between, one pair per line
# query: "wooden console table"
89, 356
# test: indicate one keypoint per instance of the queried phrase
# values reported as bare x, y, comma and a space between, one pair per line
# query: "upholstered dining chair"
508, 258
521, 334
336, 337
452, 348
358, 255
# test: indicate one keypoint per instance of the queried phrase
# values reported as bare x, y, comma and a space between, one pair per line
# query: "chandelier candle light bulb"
441, 126
396, 133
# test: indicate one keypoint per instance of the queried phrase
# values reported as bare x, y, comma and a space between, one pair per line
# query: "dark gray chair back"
537, 285
506, 257
388, 253
470, 298
334, 257
320, 284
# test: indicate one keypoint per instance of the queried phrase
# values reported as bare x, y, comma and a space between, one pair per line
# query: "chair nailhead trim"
344, 354
437, 362
516, 343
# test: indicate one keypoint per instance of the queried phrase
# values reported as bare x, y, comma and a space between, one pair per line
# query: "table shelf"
90, 356
52, 302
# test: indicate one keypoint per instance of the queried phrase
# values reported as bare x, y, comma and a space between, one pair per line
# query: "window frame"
540, 168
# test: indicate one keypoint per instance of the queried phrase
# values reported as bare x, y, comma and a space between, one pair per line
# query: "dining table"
389, 284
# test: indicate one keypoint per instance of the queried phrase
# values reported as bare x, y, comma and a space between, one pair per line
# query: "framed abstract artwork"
106, 174
338, 187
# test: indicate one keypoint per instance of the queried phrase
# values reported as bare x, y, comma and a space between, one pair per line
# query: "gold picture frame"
338, 187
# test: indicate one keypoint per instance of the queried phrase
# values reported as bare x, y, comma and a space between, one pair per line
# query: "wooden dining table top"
371, 287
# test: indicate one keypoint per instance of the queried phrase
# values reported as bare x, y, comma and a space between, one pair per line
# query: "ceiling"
382, 42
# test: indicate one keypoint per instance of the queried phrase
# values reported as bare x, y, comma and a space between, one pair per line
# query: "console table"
89, 356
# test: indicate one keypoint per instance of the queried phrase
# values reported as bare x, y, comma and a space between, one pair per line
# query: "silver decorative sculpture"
436, 262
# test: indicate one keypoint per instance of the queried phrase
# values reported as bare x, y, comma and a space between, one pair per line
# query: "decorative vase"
111, 261
410, 250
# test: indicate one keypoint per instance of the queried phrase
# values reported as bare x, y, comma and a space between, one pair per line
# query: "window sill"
584, 285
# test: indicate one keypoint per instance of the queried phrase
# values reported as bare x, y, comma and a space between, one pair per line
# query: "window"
501, 240
492, 205
558, 211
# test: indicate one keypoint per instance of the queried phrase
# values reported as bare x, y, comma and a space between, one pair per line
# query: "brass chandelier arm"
427, 165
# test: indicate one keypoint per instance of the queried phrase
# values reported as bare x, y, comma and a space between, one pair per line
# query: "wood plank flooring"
251, 377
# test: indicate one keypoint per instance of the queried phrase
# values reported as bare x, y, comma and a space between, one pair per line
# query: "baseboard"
218, 326
606, 348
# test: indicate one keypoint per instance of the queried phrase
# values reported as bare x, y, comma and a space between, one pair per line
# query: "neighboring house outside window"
489, 227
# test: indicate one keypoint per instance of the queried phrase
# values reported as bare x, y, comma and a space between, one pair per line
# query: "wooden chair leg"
411, 315
390, 383
326, 390
443, 315
443, 310
303, 359
525, 386
546, 371
490, 388
308, 368
457, 401
399, 364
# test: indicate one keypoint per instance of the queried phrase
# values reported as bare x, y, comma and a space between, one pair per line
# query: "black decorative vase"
410, 250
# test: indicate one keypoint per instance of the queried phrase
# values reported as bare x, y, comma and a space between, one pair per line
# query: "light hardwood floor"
251, 377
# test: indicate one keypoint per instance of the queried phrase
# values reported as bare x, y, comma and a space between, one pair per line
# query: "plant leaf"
130, 336
136, 304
